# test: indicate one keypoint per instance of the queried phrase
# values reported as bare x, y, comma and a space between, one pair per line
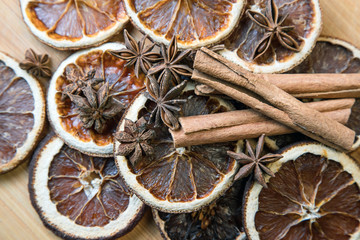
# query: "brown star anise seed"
96, 107
171, 64
137, 54
78, 81
273, 27
254, 161
36, 65
135, 140
164, 97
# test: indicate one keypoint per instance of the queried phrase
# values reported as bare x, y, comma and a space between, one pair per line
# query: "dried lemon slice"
195, 23
63, 115
178, 179
78, 196
258, 45
314, 195
22, 113
73, 24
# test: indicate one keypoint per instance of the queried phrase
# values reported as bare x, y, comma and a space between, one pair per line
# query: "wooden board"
18, 220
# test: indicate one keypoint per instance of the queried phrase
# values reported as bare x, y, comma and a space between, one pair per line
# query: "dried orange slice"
258, 45
315, 194
219, 221
123, 87
78, 196
73, 24
177, 179
194, 23
330, 55
22, 113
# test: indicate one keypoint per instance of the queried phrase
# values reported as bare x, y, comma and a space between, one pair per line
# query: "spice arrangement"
182, 116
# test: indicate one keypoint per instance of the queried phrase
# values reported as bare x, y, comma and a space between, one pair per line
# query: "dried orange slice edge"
76, 43
88, 147
294, 60
20, 84
144, 194
347, 175
235, 14
47, 202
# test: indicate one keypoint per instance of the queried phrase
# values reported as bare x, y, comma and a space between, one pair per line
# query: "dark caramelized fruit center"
218, 221
309, 198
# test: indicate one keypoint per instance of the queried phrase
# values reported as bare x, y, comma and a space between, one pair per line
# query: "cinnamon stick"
308, 85
264, 97
244, 131
208, 122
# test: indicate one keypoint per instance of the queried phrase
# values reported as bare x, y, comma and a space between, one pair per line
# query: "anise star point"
134, 140
172, 62
254, 163
165, 99
78, 81
36, 64
273, 29
137, 54
96, 108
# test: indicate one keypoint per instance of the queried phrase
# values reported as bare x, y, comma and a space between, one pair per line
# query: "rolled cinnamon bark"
244, 131
264, 97
207, 122
308, 85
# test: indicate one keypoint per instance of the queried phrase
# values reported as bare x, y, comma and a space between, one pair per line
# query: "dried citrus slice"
123, 86
22, 113
178, 179
219, 221
78, 196
330, 55
195, 23
73, 24
315, 194
258, 45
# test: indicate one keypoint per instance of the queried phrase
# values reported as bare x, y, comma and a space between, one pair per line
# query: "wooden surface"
18, 220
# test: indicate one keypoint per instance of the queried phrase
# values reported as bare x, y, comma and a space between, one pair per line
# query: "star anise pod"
165, 99
171, 64
137, 54
79, 81
96, 107
36, 65
255, 163
273, 27
135, 140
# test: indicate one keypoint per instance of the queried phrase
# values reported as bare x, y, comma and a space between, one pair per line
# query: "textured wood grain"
18, 220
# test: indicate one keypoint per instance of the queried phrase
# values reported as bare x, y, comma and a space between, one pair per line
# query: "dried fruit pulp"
191, 21
314, 195
123, 86
182, 179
